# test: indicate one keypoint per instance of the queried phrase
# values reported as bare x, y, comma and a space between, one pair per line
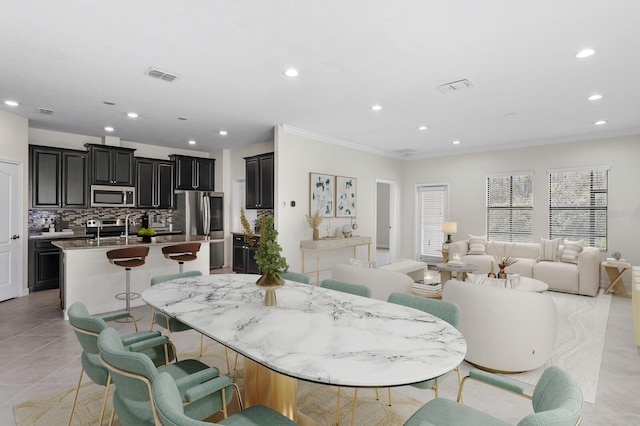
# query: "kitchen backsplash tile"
78, 218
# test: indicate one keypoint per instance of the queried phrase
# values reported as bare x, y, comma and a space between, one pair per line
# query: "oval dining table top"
313, 333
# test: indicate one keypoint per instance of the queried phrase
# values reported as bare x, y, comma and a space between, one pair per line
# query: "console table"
319, 246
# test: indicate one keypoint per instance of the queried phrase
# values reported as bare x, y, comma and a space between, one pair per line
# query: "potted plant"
268, 257
146, 234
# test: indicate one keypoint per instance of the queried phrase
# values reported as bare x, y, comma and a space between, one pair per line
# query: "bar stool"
127, 258
181, 253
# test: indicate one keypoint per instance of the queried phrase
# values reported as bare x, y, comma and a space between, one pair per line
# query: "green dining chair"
134, 375
170, 411
345, 287
87, 328
447, 311
358, 290
295, 276
557, 401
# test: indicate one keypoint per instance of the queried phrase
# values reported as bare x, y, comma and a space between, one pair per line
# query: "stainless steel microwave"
113, 196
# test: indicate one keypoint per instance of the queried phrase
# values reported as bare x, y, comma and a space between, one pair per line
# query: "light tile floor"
39, 355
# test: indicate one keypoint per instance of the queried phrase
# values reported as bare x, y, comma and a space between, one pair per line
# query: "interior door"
10, 227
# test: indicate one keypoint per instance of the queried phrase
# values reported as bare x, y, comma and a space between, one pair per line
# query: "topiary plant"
146, 232
268, 255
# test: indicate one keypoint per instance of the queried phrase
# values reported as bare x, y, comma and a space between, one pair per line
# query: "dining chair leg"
104, 401
153, 318
377, 395
226, 355
355, 404
201, 345
435, 388
389, 394
75, 399
461, 399
113, 416
338, 408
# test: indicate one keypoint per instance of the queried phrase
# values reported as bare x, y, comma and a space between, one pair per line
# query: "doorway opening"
385, 222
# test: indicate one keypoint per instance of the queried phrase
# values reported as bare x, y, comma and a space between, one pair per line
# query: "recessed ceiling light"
192, 142
109, 129
585, 53
291, 72
11, 103
595, 97
376, 107
600, 122
422, 128
223, 133
456, 142
132, 114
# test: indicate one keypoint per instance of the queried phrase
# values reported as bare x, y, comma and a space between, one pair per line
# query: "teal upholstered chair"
447, 311
170, 411
295, 276
359, 290
163, 320
87, 328
557, 400
134, 375
345, 287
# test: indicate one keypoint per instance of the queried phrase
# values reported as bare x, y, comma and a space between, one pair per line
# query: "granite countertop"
161, 240
57, 235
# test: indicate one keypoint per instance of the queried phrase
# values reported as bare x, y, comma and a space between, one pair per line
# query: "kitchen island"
88, 277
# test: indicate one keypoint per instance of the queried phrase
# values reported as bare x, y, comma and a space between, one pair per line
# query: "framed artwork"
346, 196
321, 194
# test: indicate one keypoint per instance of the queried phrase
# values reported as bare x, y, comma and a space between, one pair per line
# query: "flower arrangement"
505, 259
314, 222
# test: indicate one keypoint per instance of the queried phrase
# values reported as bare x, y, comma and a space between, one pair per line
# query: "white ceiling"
528, 88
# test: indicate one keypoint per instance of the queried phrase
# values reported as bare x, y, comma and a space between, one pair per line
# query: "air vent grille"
44, 111
162, 75
455, 86
405, 151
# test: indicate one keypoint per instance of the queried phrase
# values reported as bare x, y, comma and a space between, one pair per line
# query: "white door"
10, 227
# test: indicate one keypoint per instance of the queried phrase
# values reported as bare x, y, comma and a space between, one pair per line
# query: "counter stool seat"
184, 252
127, 258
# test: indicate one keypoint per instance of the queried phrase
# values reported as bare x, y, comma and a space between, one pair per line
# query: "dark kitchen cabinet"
44, 265
243, 255
194, 173
111, 165
58, 178
154, 183
259, 184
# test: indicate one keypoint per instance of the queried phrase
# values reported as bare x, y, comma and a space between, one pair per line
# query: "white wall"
298, 155
466, 175
14, 147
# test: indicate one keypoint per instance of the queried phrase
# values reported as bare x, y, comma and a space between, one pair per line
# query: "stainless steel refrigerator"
201, 213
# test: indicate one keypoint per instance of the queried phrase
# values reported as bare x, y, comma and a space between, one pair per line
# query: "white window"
510, 207
431, 202
578, 205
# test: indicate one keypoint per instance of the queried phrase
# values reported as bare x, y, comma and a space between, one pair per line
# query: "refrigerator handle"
206, 216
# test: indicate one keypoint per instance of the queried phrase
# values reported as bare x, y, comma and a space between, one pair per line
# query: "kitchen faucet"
126, 229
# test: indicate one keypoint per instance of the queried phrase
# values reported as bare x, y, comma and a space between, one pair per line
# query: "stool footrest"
123, 296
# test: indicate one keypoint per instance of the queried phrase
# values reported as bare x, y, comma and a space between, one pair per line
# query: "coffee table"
530, 284
461, 270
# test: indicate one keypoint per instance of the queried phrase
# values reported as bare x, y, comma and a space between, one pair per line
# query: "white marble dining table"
313, 334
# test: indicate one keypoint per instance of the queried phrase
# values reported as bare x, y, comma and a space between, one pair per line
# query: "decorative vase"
270, 282
316, 234
502, 274
146, 239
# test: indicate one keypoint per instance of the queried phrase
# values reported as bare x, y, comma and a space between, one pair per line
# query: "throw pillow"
571, 251
363, 263
477, 245
491, 282
549, 249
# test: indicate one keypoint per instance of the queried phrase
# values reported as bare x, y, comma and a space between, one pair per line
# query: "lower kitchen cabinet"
44, 265
243, 253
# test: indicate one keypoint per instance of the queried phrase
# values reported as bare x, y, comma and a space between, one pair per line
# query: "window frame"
526, 236
440, 238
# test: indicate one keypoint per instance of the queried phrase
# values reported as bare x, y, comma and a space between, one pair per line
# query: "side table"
614, 272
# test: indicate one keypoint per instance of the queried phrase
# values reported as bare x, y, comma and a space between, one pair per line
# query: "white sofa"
582, 277
506, 330
381, 282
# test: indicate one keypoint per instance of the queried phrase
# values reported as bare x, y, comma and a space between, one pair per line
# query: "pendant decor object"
270, 282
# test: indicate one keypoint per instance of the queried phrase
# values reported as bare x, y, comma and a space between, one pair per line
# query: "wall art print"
346, 196
321, 194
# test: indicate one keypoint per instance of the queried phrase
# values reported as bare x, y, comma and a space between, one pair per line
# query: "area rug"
582, 326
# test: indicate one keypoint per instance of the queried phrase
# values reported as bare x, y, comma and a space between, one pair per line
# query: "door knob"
15, 237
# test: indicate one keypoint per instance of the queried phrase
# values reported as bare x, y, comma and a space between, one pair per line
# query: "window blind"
510, 207
578, 202
432, 202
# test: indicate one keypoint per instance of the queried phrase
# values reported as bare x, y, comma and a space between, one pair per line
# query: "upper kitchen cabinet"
58, 178
111, 165
154, 183
194, 173
259, 181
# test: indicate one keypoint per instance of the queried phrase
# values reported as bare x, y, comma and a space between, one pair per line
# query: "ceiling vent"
44, 111
455, 86
405, 151
162, 75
